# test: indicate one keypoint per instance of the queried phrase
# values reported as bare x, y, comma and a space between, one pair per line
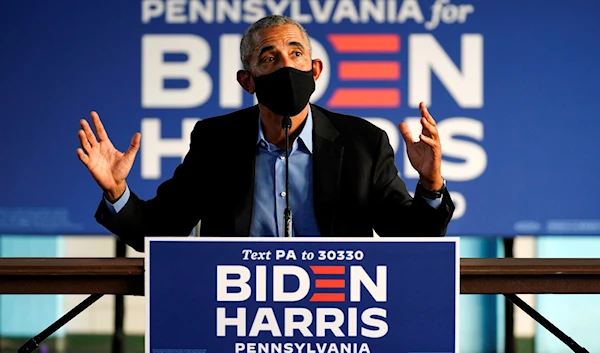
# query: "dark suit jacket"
356, 185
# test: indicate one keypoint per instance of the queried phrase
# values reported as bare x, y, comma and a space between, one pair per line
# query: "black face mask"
285, 91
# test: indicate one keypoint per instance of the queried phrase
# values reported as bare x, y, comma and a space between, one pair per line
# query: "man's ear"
317, 66
246, 81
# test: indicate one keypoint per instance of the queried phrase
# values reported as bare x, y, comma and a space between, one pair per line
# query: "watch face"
431, 195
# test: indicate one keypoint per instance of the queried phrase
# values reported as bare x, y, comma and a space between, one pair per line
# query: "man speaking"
339, 177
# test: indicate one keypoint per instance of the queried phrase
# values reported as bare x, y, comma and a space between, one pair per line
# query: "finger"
134, 146
425, 114
88, 132
82, 156
429, 130
429, 141
84, 141
406, 134
102, 135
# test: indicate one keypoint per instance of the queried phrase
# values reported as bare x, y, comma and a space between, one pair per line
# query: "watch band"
432, 194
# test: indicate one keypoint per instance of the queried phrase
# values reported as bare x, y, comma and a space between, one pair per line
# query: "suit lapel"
327, 167
243, 172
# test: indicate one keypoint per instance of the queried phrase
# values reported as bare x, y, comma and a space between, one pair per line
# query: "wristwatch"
432, 194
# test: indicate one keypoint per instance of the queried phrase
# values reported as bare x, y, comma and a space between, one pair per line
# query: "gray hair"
248, 44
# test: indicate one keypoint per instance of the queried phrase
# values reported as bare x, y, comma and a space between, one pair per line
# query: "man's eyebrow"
296, 44
271, 47
266, 49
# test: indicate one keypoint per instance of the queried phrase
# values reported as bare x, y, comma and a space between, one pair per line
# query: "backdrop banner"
511, 84
301, 295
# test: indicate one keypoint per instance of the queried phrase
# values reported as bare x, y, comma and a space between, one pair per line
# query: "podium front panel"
302, 295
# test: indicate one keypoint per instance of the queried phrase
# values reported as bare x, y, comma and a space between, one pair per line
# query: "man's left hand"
425, 155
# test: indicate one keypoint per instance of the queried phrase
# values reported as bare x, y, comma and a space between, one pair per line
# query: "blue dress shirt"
269, 187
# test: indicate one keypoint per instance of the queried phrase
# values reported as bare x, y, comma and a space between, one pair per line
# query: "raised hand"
425, 155
108, 166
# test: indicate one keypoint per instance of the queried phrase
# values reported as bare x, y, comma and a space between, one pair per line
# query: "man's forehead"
288, 34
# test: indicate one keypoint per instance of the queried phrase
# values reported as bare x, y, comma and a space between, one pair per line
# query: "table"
126, 276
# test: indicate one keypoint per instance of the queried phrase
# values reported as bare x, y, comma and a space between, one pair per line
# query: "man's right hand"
108, 166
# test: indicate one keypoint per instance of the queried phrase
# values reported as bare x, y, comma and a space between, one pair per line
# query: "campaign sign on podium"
302, 295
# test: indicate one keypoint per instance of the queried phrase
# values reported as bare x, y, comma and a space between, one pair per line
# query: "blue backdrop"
408, 294
511, 84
